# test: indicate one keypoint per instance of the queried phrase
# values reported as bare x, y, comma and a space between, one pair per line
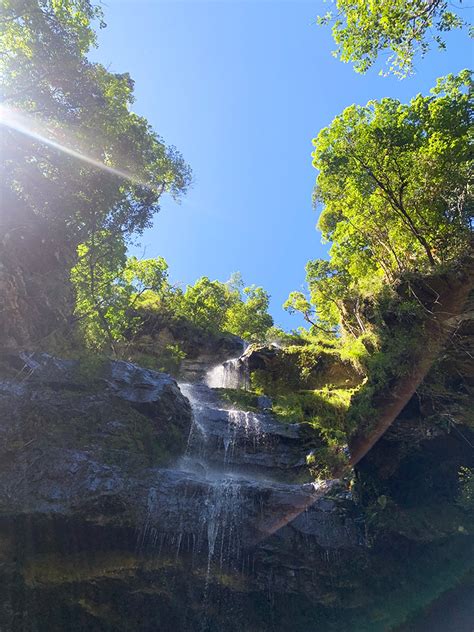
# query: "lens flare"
27, 125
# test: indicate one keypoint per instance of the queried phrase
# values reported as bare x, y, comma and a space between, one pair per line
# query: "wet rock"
264, 403
122, 413
252, 441
213, 350
89, 498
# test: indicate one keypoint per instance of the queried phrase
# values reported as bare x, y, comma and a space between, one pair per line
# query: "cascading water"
220, 515
230, 374
226, 493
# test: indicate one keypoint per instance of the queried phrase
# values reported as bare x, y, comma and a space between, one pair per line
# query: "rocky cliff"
105, 527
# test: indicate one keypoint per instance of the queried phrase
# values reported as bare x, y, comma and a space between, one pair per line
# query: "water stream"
230, 374
243, 477
234, 452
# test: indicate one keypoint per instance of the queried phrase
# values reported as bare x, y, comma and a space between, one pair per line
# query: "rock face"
116, 517
36, 298
202, 349
97, 524
214, 349
64, 441
239, 439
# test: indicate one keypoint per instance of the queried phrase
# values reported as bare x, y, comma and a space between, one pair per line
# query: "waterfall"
242, 424
222, 516
226, 490
230, 374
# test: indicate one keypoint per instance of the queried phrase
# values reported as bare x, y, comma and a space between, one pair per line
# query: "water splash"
230, 374
242, 425
222, 515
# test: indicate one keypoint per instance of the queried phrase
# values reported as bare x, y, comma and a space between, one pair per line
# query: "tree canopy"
394, 185
365, 29
248, 315
116, 294
394, 181
78, 166
62, 113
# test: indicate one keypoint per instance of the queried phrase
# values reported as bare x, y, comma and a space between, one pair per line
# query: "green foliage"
325, 411
230, 307
388, 356
52, 89
165, 358
298, 302
394, 181
77, 165
364, 29
101, 302
248, 316
311, 364
116, 296
224, 307
357, 350
205, 304
109, 286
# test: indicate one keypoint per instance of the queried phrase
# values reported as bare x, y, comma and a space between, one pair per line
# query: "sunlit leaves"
394, 182
47, 77
248, 315
365, 29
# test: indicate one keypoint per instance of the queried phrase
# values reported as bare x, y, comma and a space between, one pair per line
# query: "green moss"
239, 398
150, 354
55, 568
325, 412
323, 408
306, 366
85, 420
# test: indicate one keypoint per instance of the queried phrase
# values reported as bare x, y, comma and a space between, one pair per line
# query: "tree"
101, 296
205, 304
110, 288
394, 181
327, 290
78, 166
146, 275
364, 29
248, 316
298, 302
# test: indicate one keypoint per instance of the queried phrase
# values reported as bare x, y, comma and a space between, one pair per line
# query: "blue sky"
241, 88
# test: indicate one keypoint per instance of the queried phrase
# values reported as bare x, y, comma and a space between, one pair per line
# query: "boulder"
116, 411
282, 367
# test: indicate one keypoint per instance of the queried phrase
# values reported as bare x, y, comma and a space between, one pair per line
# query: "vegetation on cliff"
394, 185
83, 176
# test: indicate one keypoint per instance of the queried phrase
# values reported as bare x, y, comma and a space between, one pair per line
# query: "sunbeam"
24, 124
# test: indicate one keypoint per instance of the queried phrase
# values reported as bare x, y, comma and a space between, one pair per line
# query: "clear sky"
241, 88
